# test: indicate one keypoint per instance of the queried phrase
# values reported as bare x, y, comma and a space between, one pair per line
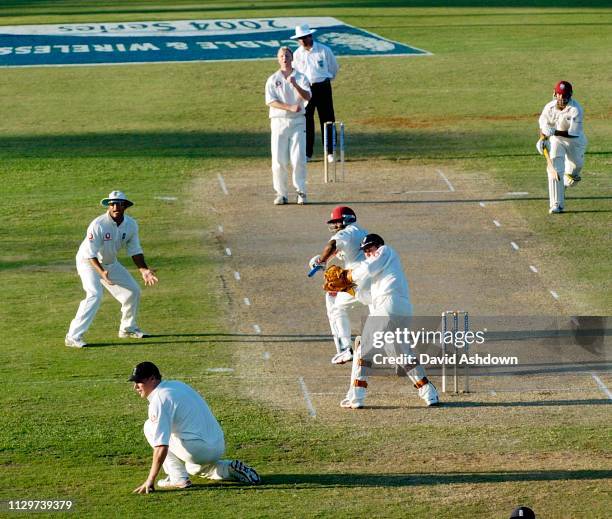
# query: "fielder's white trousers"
125, 290
189, 457
390, 305
567, 156
288, 151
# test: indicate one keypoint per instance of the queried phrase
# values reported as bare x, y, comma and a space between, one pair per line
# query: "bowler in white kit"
287, 92
99, 268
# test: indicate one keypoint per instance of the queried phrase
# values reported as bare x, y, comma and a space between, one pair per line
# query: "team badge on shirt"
107, 236
278, 84
90, 236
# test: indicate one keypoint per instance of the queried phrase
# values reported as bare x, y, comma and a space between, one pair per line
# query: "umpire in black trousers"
318, 63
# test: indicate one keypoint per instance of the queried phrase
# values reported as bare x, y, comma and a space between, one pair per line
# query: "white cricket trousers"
189, 457
125, 290
567, 156
338, 306
288, 151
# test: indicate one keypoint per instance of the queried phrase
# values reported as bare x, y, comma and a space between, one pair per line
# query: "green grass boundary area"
72, 426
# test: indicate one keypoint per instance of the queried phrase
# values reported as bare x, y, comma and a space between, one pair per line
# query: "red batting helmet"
564, 88
342, 214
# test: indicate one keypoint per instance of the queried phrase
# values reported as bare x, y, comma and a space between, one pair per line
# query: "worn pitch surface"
456, 257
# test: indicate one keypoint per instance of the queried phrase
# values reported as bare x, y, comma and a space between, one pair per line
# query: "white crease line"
246, 301
602, 386
514, 245
533, 269
518, 193
222, 184
256, 328
228, 251
481, 204
220, 370
311, 409
237, 275
220, 229
166, 198
497, 224
554, 294
450, 186
266, 355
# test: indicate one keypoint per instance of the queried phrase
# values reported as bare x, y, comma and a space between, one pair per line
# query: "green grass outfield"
71, 426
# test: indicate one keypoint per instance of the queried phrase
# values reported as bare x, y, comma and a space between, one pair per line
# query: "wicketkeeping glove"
338, 280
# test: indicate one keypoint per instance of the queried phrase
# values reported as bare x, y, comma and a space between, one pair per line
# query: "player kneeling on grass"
390, 296
185, 436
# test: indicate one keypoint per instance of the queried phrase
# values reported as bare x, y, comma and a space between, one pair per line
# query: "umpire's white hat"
301, 31
116, 196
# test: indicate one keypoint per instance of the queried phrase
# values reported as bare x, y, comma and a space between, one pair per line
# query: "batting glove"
315, 261
548, 132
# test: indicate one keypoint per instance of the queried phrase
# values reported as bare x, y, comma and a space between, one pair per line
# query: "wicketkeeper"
390, 296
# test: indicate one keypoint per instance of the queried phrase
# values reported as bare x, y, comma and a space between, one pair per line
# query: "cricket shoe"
347, 403
301, 198
330, 158
168, 484
555, 210
280, 200
243, 473
133, 333
343, 357
429, 393
74, 342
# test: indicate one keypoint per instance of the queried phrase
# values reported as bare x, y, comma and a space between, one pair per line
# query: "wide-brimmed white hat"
301, 31
116, 196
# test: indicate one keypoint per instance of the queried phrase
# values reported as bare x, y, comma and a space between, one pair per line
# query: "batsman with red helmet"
562, 134
344, 245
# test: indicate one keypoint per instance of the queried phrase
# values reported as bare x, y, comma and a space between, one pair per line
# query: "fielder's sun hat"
116, 196
522, 511
301, 31
143, 371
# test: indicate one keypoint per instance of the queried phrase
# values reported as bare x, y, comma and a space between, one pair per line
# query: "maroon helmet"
564, 89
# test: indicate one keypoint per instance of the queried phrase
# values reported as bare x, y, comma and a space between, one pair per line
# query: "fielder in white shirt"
98, 267
287, 92
318, 63
185, 436
390, 296
343, 245
562, 133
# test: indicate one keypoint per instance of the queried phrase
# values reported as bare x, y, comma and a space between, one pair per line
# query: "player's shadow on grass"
214, 338
309, 481
540, 403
